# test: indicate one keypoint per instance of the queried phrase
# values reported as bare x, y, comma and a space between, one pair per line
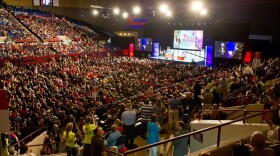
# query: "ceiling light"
196, 6
116, 11
125, 15
136, 10
95, 12
203, 12
169, 13
163, 8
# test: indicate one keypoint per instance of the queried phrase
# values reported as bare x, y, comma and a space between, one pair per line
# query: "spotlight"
169, 13
95, 12
116, 11
163, 8
125, 15
203, 12
136, 10
196, 6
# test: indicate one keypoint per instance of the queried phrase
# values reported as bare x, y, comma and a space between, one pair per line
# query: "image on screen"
143, 44
188, 39
46, 2
180, 55
231, 50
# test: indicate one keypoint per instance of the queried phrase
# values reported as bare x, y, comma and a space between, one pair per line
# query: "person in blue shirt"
153, 134
113, 136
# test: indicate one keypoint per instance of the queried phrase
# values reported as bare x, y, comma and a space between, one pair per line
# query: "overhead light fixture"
203, 12
125, 15
116, 11
136, 10
163, 8
95, 12
197, 5
169, 13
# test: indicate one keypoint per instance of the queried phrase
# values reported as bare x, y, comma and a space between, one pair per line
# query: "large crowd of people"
25, 29
73, 87
10, 27
112, 94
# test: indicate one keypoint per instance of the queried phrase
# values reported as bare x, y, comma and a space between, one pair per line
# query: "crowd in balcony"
21, 26
10, 51
11, 28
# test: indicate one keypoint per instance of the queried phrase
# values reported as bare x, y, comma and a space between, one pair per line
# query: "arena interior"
139, 78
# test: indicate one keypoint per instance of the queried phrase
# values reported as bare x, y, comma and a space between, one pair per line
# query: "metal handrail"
179, 137
193, 133
63, 142
229, 98
260, 96
25, 138
244, 112
239, 90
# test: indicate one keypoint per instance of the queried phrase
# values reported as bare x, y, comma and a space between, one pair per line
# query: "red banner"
3, 100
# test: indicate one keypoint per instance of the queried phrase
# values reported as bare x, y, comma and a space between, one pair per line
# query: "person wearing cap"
128, 117
88, 134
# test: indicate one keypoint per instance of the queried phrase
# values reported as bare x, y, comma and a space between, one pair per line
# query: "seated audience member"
120, 127
273, 133
259, 146
25, 151
240, 150
215, 114
113, 136
115, 150
109, 120
204, 154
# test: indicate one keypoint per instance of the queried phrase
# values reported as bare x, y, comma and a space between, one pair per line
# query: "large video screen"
46, 2
143, 44
188, 39
231, 50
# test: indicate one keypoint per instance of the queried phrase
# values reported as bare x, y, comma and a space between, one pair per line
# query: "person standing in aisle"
128, 117
147, 111
173, 114
153, 135
70, 139
88, 134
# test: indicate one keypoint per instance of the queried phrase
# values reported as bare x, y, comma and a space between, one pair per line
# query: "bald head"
258, 139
